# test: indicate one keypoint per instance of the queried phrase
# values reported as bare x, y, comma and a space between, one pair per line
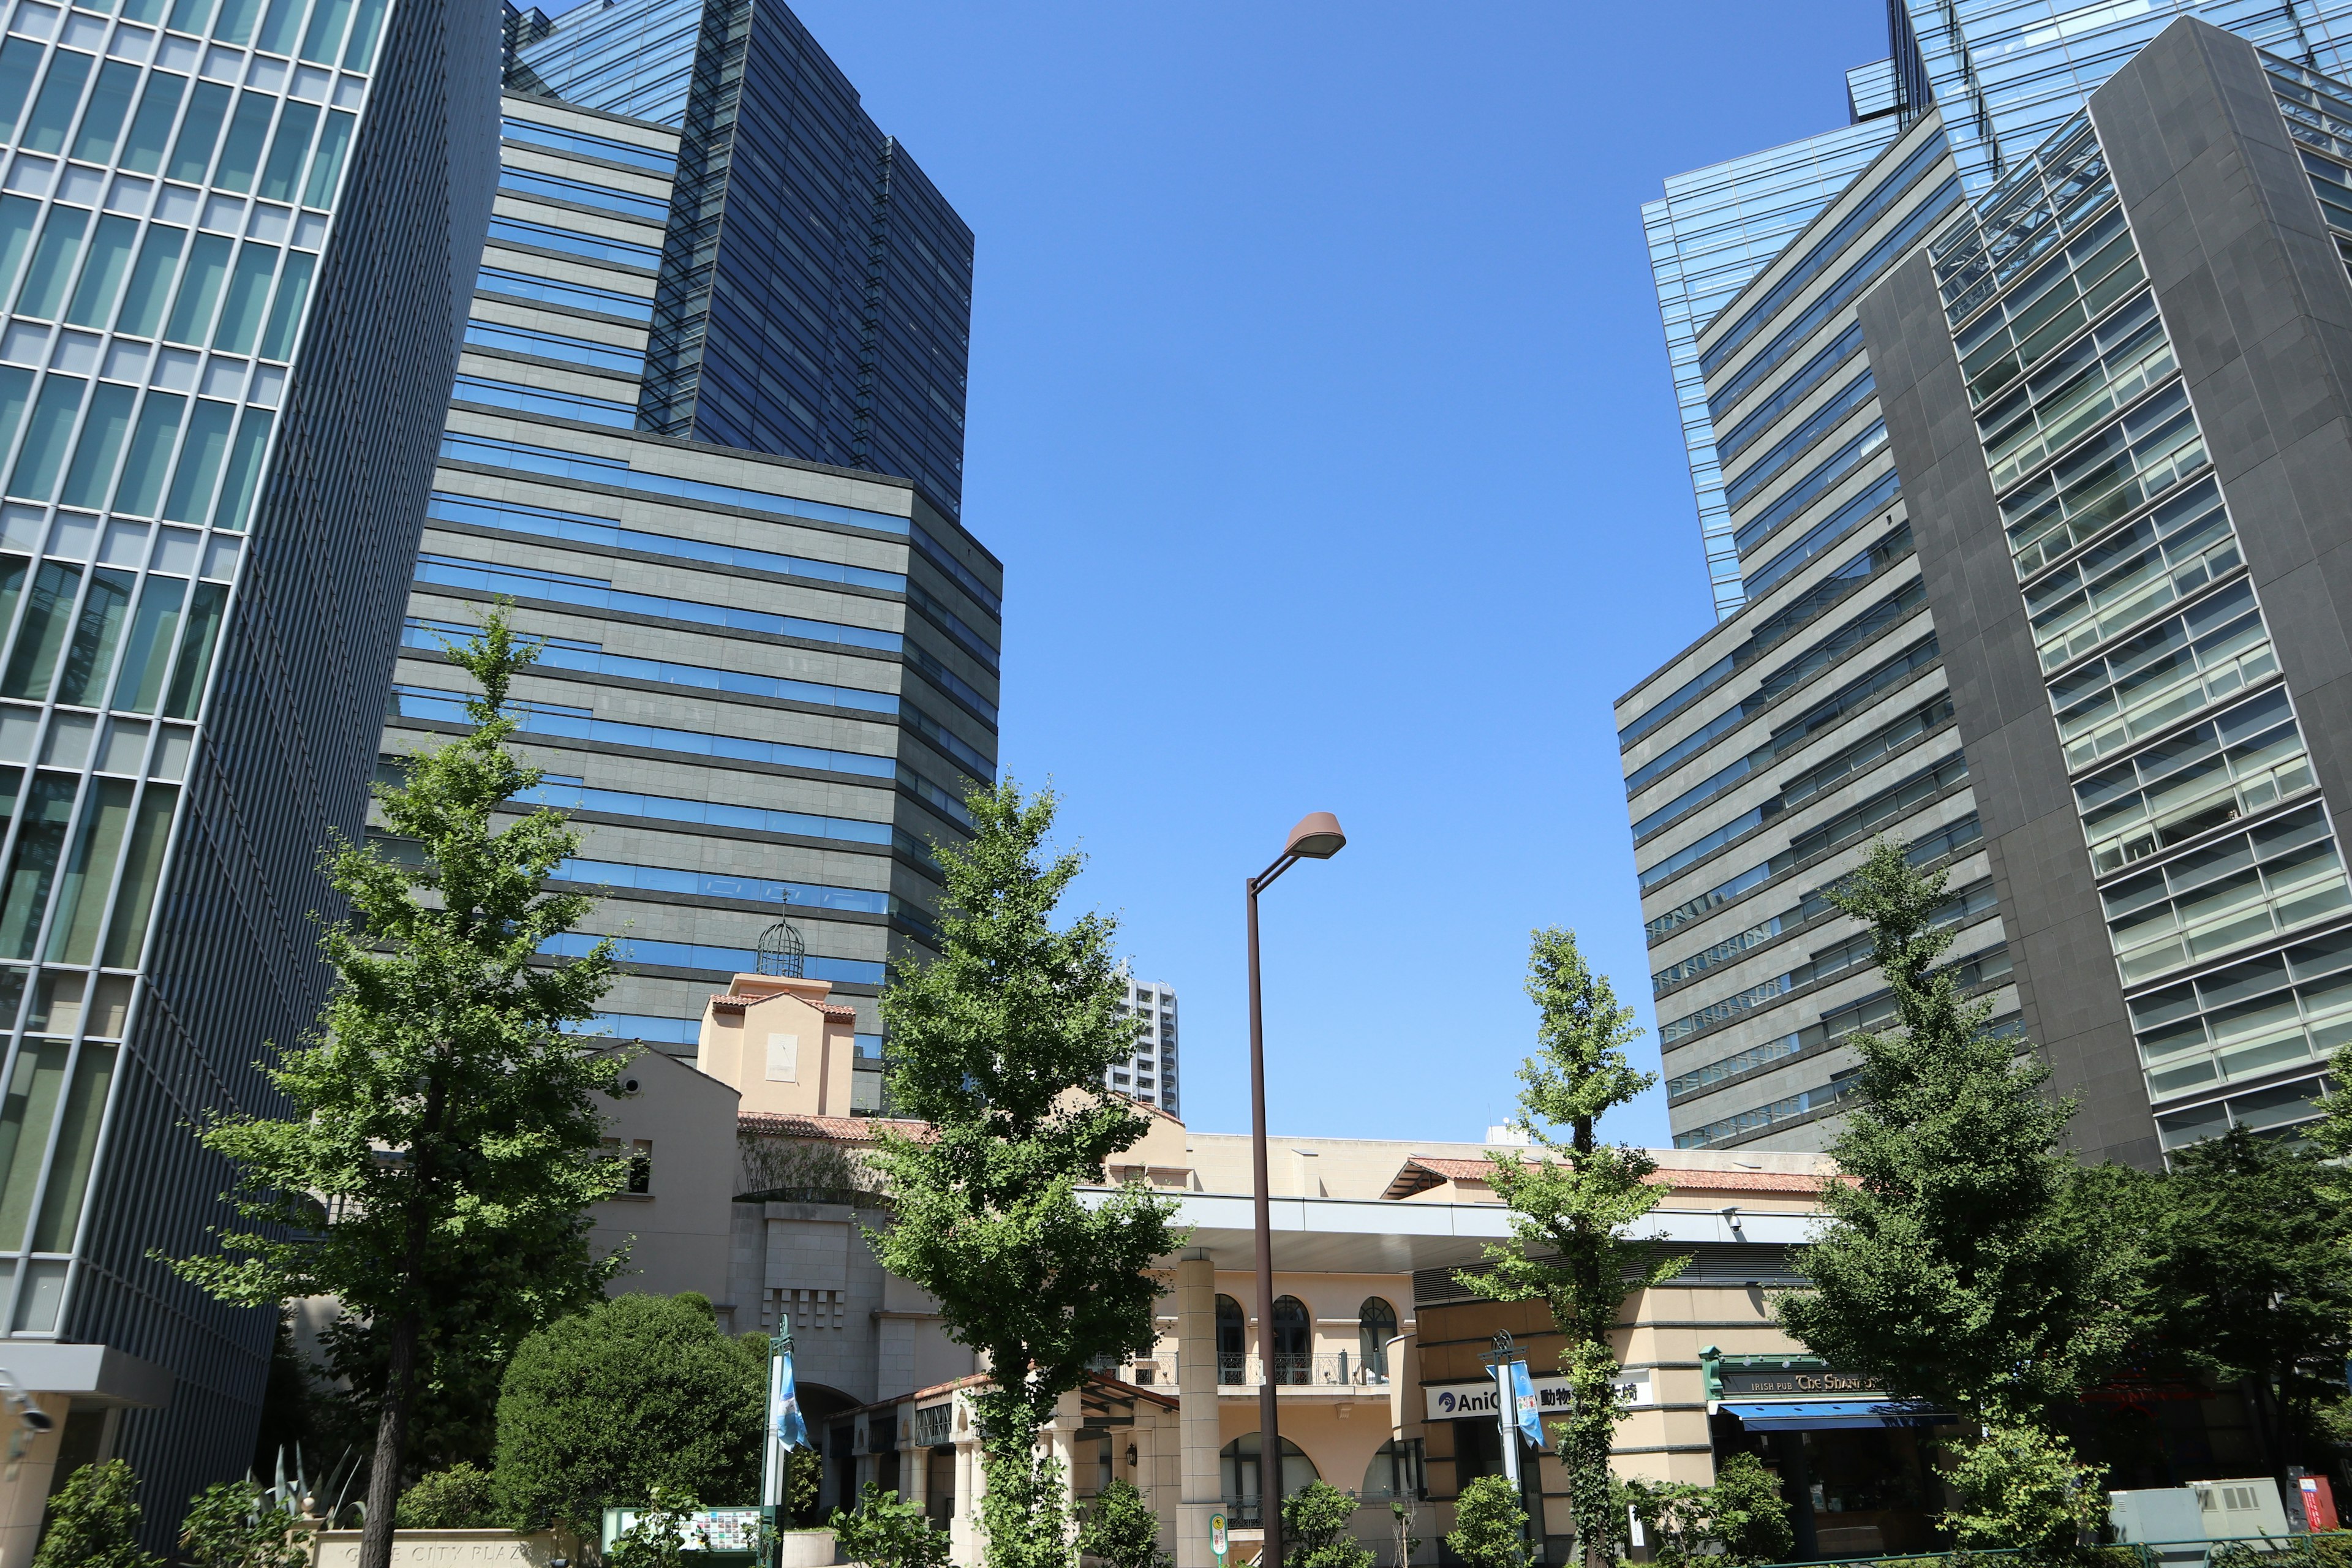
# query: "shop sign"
1456, 1401
1808, 1383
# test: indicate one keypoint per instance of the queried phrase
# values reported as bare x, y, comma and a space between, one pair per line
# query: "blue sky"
1320, 413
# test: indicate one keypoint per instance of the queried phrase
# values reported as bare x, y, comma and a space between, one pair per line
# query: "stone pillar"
1201, 1493
914, 1463
963, 1528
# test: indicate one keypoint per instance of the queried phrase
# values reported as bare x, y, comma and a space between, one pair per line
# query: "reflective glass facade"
766, 683
815, 295
232, 248
1715, 229
2009, 73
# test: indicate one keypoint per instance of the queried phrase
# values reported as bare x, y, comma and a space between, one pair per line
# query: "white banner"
1455, 1401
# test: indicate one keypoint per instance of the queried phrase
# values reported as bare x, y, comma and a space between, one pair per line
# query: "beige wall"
782, 1050
678, 1235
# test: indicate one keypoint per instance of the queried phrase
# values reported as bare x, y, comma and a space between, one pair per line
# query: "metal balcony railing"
1340, 1369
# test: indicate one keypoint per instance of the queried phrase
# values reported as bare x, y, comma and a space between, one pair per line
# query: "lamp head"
1317, 836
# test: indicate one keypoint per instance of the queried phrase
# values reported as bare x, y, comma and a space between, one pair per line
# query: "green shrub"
1120, 1529
459, 1498
1316, 1531
94, 1523
656, 1539
635, 1395
1747, 1516
2021, 1490
1489, 1526
235, 1525
884, 1533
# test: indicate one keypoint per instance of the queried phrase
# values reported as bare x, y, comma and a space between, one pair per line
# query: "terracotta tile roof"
842, 1128
736, 1001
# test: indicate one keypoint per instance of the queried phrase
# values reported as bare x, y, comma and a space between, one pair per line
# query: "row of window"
180, 460
2043, 200
594, 593
705, 956
2073, 289
570, 653
2215, 648
498, 453
560, 346
1833, 590
2163, 557
578, 724
2239, 763
605, 411
585, 193
1812, 429
546, 522
2274, 877
2080, 385
281, 29
1800, 384
2131, 462
705, 884
513, 285
565, 138
1869, 504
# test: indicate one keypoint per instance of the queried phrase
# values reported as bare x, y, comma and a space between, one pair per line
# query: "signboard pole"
1507, 1414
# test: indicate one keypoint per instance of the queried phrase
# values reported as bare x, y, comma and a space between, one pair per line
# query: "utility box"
2241, 1509
2169, 1521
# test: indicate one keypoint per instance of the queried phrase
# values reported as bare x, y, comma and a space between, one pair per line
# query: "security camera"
38, 1419
630, 1086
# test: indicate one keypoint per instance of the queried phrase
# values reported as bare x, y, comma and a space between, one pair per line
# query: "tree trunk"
391, 1439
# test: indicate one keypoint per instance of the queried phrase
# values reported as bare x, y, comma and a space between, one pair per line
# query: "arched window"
1394, 1474
1232, 1341
1237, 1462
1294, 1341
1376, 1325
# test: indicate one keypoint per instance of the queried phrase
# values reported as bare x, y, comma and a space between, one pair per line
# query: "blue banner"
1523, 1395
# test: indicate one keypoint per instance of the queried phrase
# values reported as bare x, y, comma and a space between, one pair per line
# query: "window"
1376, 1325
1395, 1474
638, 1153
1233, 1338
1294, 1341
1238, 1463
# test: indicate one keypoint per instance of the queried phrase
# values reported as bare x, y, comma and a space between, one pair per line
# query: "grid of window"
2165, 557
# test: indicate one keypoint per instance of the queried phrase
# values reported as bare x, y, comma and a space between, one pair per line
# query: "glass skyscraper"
2008, 72
814, 296
769, 675
1716, 228
232, 243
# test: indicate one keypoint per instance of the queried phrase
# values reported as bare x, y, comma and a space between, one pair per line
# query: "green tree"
94, 1522
1121, 1528
2020, 1490
1490, 1527
1747, 1516
1958, 1271
2255, 1284
1319, 1529
1570, 1212
638, 1396
882, 1531
1742, 1519
463, 1497
442, 1041
234, 1524
1001, 1046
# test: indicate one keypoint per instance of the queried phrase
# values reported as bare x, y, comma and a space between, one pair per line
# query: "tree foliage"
236, 1524
1319, 1529
1001, 1046
1121, 1528
1740, 1519
1490, 1526
1956, 1271
94, 1521
1570, 1211
2020, 1490
882, 1531
2243, 1276
443, 1042
463, 1497
638, 1396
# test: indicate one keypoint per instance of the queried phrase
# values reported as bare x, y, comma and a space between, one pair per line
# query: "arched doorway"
1232, 1341
1294, 1341
1376, 1325
1237, 1465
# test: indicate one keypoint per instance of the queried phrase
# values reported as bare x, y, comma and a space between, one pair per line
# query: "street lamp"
1316, 837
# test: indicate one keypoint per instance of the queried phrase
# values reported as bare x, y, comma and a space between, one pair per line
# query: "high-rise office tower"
2008, 75
1712, 231
234, 245
768, 679
1151, 1076
2059, 613
815, 294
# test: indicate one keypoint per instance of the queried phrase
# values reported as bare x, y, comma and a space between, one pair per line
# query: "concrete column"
1201, 1493
914, 1463
963, 1530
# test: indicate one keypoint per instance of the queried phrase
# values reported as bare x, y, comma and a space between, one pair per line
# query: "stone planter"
808, 1548
457, 1548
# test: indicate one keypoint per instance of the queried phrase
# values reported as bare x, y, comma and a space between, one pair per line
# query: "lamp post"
1316, 837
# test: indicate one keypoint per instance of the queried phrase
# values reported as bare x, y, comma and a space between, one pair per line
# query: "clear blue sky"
1320, 413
